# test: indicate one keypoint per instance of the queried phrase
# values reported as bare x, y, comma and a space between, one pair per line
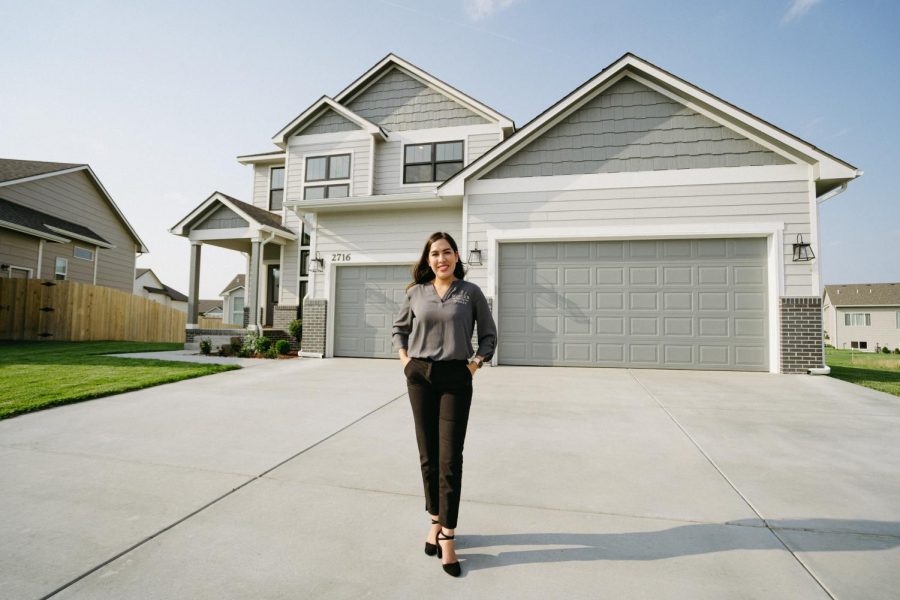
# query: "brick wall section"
801, 334
283, 316
277, 334
314, 314
218, 337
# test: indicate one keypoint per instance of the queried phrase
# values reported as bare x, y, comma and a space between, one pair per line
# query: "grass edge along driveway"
38, 375
873, 370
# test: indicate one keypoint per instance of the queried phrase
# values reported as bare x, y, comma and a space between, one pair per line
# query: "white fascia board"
363, 203
40, 234
237, 233
361, 83
637, 179
441, 134
178, 228
82, 238
281, 234
280, 138
328, 138
263, 158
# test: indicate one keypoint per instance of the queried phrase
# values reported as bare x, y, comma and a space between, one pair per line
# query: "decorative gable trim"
382, 67
826, 166
315, 111
186, 225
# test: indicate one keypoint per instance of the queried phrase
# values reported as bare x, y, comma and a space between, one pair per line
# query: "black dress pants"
440, 393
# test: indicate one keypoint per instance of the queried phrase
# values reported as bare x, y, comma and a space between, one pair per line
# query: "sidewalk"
300, 479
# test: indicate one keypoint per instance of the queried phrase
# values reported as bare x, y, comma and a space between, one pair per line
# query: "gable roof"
316, 110
138, 273
13, 172
205, 306
236, 282
261, 217
864, 294
167, 291
832, 171
46, 226
393, 61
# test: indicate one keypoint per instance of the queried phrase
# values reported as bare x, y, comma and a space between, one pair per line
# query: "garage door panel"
367, 300
648, 303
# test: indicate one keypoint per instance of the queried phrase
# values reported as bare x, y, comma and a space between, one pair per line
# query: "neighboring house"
57, 221
211, 309
233, 301
864, 316
639, 221
148, 285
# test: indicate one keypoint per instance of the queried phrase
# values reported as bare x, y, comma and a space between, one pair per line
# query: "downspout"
40, 259
262, 253
825, 369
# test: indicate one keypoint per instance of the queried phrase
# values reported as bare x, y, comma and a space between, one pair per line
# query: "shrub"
205, 346
226, 350
282, 346
249, 344
896, 350
271, 353
296, 329
236, 343
829, 346
885, 350
262, 344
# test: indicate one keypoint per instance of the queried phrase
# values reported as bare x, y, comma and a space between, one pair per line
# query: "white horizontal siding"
366, 236
770, 202
74, 197
261, 186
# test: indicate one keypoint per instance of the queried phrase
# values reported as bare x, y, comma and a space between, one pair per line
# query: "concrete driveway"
300, 479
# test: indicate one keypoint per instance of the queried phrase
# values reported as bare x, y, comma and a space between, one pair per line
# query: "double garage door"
673, 304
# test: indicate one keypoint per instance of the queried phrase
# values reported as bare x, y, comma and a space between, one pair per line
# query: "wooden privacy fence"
32, 309
215, 323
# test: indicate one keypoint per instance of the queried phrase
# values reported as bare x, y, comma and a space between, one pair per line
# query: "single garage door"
672, 304
367, 300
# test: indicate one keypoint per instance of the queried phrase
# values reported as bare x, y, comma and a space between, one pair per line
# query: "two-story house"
57, 221
640, 221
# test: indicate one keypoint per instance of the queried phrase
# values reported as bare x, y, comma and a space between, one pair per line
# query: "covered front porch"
259, 235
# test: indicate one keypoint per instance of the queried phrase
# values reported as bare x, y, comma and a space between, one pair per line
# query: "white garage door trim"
358, 259
772, 231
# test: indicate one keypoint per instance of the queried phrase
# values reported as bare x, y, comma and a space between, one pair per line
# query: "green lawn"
877, 371
36, 375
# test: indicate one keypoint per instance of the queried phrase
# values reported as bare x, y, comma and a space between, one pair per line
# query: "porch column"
194, 286
253, 285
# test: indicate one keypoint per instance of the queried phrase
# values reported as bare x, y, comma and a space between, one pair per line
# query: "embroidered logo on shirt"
460, 298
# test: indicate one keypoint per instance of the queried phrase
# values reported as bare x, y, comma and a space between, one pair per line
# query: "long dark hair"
422, 273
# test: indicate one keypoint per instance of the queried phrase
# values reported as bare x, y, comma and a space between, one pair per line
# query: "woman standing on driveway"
433, 335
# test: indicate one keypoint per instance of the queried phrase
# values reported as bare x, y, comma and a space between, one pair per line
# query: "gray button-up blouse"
441, 328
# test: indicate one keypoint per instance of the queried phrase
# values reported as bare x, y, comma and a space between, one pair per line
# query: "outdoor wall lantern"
4, 267
475, 256
317, 264
802, 250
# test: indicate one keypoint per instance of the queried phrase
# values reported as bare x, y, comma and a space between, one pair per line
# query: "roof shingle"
11, 168
864, 294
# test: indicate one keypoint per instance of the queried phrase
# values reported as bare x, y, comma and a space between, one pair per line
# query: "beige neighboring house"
863, 316
233, 301
148, 285
57, 221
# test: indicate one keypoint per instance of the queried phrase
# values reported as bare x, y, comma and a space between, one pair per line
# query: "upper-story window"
424, 163
334, 174
61, 270
276, 188
83, 253
858, 319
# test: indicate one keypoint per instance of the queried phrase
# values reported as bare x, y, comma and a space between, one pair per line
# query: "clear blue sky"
159, 97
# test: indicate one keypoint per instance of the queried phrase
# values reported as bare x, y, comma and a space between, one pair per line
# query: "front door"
273, 286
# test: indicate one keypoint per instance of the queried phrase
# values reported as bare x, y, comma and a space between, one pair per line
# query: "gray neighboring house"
862, 316
57, 221
639, 222
233, 301
211, 309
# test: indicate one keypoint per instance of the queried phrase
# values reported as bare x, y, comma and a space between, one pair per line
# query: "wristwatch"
477, 361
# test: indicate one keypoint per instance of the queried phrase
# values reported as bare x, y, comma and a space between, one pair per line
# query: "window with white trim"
330, 176
276, 188
438, 161
62, 268
858, 319
83, 253
237, 310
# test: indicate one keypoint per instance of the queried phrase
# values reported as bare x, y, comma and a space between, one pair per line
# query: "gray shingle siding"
329, 122
399, 102
222, 218
630, 127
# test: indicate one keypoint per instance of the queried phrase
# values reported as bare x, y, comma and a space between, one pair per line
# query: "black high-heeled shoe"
451, 569
431, 549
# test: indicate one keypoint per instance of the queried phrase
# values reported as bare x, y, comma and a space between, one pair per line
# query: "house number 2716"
340, 257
